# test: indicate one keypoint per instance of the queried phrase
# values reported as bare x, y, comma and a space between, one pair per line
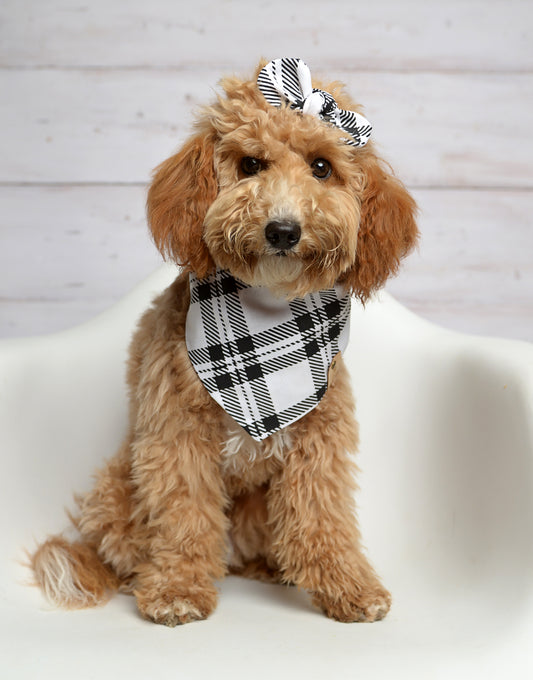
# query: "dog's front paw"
177, 604
368, 605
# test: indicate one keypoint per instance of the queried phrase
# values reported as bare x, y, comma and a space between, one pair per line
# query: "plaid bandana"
263, 359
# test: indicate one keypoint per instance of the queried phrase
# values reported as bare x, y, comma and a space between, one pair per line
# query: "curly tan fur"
190, 496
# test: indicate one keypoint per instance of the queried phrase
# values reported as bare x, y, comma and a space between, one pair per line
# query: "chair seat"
445, 507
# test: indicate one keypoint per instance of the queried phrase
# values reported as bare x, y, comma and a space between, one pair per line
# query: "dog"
278, 209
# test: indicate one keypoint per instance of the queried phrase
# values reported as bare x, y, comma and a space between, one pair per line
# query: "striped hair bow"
288, 80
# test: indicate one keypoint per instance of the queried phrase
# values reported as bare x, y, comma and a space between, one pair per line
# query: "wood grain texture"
379, 35
67, 243
114, 126
473, 270
95, 94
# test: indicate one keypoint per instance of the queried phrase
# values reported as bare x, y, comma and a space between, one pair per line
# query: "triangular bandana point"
265, 360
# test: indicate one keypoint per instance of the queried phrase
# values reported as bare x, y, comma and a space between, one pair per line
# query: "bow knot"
288, 80
314, 103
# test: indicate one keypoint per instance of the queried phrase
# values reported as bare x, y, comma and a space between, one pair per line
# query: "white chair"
445, 506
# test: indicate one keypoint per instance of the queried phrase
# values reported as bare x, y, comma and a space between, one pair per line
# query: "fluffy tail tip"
71, 575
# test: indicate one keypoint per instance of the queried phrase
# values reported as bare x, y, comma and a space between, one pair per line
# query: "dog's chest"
249, 463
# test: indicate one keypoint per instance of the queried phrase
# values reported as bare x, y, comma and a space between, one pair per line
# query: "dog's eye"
250, 165
321, 168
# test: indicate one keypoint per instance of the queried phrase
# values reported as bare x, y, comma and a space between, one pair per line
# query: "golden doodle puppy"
238, 456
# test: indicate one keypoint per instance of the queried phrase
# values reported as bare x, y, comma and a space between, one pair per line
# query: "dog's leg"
251, 538
180, 499
315, 537
104, 518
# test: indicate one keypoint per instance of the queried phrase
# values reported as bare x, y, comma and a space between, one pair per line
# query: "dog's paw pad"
365, 607
174, 613
173, 609
377, 610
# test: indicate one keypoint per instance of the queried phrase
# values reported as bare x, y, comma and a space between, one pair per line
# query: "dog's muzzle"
283, 235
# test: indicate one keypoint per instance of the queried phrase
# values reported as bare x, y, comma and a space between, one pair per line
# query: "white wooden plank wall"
95, 93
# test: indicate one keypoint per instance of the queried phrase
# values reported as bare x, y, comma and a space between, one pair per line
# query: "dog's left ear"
183, 188
387, 232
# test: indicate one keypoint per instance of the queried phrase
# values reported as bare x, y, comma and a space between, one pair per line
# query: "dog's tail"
72, 575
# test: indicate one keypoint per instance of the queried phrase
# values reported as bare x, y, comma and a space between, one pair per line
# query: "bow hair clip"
288, 80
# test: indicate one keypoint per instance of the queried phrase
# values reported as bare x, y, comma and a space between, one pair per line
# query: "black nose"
283, 235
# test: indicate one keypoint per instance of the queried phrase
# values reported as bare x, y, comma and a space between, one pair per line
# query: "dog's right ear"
183, 188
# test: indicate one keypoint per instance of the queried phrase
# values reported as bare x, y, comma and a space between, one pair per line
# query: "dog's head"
279, 199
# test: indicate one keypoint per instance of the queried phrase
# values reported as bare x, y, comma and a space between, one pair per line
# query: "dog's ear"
387, 232
183, 188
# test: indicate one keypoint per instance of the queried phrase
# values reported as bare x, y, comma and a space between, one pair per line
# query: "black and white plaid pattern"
288, 80
263, 359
